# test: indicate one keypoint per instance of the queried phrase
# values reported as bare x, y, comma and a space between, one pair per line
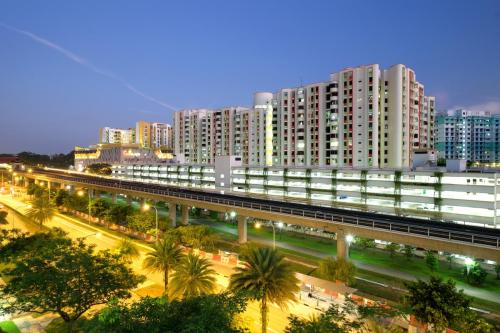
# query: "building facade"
116, 135
362, 117
470, 135
146, 134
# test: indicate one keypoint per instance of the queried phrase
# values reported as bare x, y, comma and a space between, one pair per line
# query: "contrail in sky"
85, 63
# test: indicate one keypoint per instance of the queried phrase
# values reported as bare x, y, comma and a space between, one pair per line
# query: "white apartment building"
146, 134
116, 135
362, 117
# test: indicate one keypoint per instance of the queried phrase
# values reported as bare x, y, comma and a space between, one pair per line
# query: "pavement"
278, 318
469, 290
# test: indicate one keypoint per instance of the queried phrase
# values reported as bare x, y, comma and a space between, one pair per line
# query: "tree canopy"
337, 269
265, 277
207, 313
440, 304
345, 318
55, 274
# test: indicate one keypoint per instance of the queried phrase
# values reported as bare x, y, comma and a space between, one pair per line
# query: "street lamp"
80, 193
349, 239
145, 208
280, 225
468, 263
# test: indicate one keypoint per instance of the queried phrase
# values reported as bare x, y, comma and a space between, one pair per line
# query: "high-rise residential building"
470, 135
116, 135
146, 134
362, 117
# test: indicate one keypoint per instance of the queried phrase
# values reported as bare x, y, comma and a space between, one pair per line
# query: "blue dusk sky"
70, 67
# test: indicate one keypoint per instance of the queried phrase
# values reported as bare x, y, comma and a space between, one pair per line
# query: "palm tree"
265, 277
192, 277
41, 210
165, 255
127, 249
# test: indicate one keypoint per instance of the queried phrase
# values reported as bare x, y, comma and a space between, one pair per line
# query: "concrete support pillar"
142, 201
113, 197
172, 214
62, 186
342, 246
242, 229
91, 192
184, 215
129, 200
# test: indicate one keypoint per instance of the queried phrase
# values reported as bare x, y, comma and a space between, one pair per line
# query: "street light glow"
232, 214
349, 238
80, 193
146, 207
468, 261
280, 225
257, 225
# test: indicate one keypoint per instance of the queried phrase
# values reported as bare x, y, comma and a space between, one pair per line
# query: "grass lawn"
376, 257
8, 326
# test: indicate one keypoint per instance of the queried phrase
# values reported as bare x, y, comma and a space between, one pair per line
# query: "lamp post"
146, 207
80, 193
280, 225
468, 263
349, 239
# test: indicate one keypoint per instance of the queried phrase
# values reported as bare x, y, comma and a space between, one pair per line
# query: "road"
105, 240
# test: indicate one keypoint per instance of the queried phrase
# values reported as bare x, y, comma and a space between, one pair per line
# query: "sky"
68, 68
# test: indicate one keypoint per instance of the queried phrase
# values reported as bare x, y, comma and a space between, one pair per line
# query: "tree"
497, 271
67, 280
41, 210
393, 248
35, 190
192, 277
99, 208
118, 213
207, 313
337, 269
127, 249
409, 252
441, 305
60, 197
431, 261
141, 221
75, 202
198, 236
3, 217
165, 255
475, 274
364, 243
16, 245
345, 318
99, 168
265, 277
